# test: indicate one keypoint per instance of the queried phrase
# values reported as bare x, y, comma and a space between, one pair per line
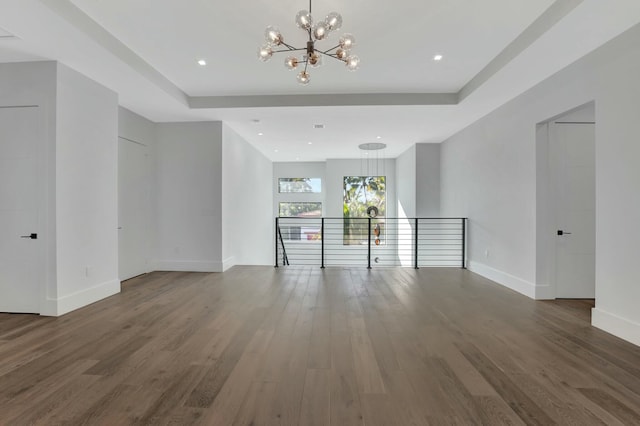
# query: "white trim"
79, 299
503, 278
228, 263
545, 292
188, 266
616, 325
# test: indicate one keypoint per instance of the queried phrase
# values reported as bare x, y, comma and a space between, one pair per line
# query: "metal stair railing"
371, 242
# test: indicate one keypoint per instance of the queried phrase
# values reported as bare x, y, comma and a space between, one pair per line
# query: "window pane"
300, 185
360, 193
300, 210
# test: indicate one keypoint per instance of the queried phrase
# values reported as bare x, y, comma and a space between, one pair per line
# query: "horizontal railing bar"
344, 242
366, 218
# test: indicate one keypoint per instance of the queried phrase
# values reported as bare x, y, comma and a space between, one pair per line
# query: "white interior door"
573, 146
133, 208
19, 191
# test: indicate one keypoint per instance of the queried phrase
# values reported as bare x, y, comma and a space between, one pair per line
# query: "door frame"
546, 219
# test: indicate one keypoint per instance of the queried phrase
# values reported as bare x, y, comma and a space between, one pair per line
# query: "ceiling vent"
318, 126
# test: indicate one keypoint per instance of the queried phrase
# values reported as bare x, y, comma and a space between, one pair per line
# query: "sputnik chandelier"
313, 56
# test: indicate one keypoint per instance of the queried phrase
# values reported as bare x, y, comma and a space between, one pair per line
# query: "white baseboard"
503, 278
545, 292
188, 266
616, 325
79, 299
228, 263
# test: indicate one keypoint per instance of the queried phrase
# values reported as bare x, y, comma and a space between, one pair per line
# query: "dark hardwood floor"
262, 346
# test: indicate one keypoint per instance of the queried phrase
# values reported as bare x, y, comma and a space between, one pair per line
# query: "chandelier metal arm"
288, 46
331, 55
310, 55
289, 50
328, 50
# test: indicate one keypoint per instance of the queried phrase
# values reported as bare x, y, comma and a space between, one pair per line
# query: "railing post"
369, 245
322, 243
415, 246
464, 240
276, 240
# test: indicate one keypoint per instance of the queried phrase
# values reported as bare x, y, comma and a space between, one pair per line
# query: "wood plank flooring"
304, 346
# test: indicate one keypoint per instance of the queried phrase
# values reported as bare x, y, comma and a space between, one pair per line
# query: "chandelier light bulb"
353, 62
265, 52
320, 31
347, 41
291, 63
273, 35
342, 53
315, 60
310, 54
333, 21
304, 78
304, 20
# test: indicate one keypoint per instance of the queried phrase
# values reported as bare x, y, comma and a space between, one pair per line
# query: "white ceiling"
146, 50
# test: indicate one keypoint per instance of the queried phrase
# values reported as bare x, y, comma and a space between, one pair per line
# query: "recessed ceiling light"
260, 134
378, 137
202, 62
309, 143
437, 58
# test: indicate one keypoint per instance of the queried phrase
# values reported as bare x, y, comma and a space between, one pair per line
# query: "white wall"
406, 182
428, 180
294, 170
34, 83
247, 225
135, 127
86, 191
189, 194
489, 175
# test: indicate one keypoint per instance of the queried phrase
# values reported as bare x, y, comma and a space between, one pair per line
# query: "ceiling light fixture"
312, 56
372, 165
202, 62
437, 58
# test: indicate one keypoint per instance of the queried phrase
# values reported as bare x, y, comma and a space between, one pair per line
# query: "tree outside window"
360, 193
313, 185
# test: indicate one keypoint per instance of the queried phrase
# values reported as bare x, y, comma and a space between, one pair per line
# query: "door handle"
30, 236
561, 232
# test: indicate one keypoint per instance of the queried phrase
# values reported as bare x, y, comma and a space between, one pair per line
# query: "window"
300, 229
360, 193
296, 209
313, 185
